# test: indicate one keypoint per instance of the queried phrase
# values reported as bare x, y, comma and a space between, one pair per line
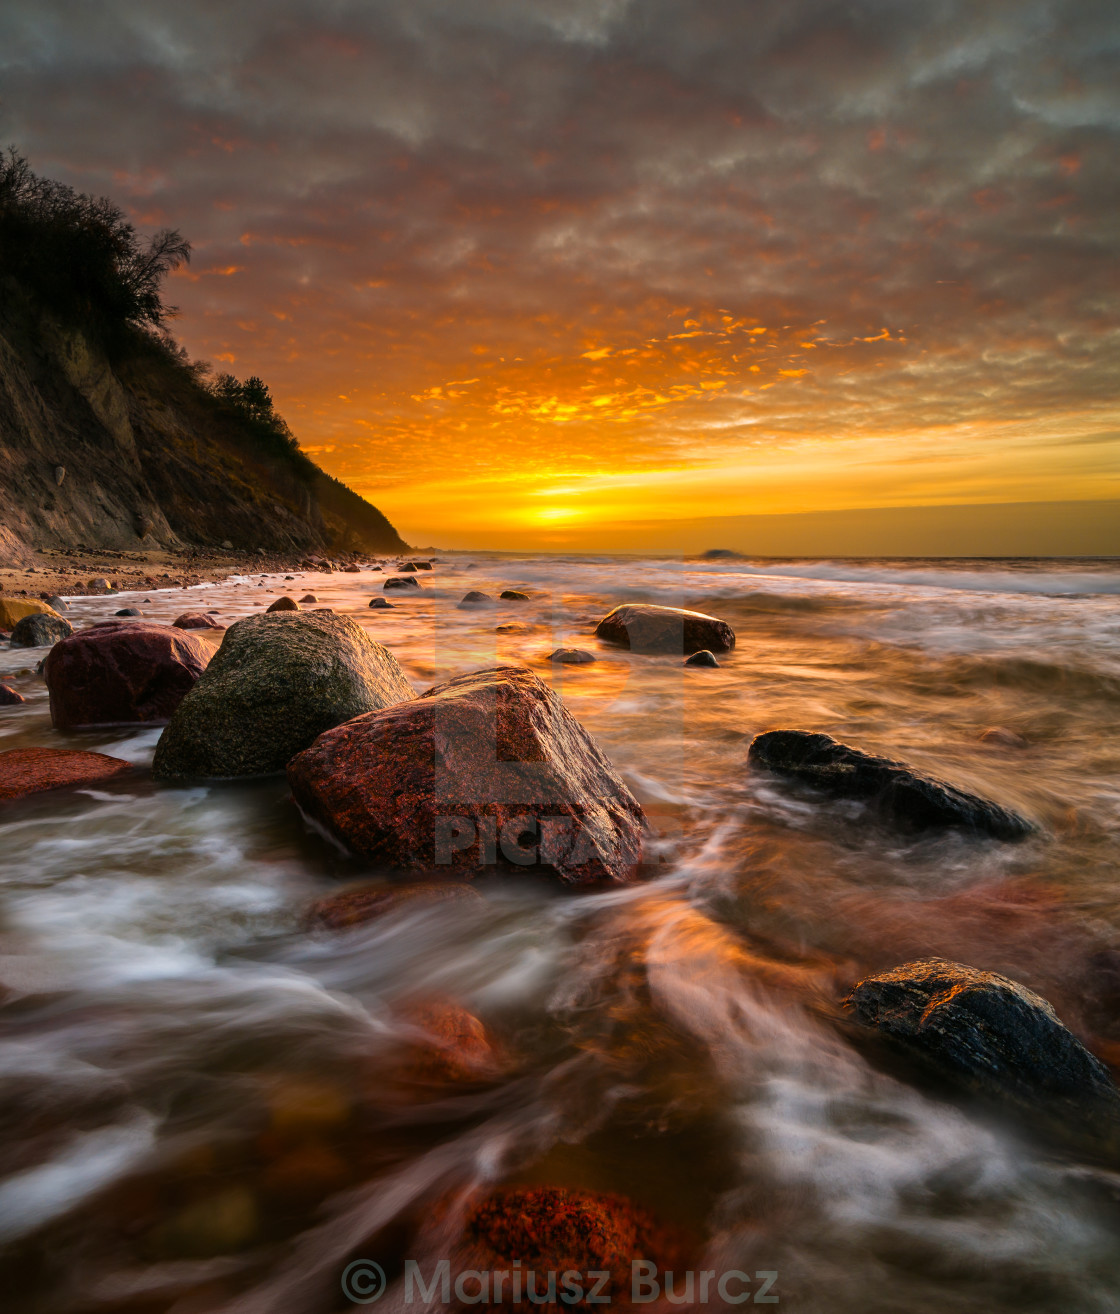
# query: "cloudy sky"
520, 269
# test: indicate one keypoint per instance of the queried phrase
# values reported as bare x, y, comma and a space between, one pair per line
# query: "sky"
528, 272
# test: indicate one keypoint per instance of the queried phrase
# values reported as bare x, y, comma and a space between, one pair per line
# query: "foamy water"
201, 1097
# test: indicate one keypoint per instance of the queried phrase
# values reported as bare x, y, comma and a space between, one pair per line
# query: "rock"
719, 554
119, 673
455, 1045
476, 599
512, 595
129, 611
59, 475
25, 771
408, 566
646, 628
514, 627
278, 680
411, 789
352, 570
307, 599
900, 795
100, 585
991, 1036
338, 912
284, 604
377, 568
39, 631
59, 604
15, 609
702, 658
401, 582
227, 546
998, 737
197, 620
142, 525
381, 604
572, 656
9, 697
560, 1233
422, 565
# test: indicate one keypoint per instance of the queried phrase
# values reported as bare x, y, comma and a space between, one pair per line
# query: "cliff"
127, 450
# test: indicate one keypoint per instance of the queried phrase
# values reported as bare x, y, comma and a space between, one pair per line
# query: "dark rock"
513, 627
572, 656
475, 599
352, 570
998, 737
277, 682
284, 604
142, 525
308, 598
401, 582
9, 697
197, 620
338, 912
119, 672
59, 604
646, 628
59, 475
422, 565
991, 1036
381, 604
719, 554
702, 658
906, 798
25, 771
40, 631
408, 566
412, 789
512, 595
129, 611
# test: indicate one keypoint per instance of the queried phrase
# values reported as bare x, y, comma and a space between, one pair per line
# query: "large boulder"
120, 672
25, 771
278, 680
13, 610
643, 627
40, 630
489, 770
907, 799
991, 1036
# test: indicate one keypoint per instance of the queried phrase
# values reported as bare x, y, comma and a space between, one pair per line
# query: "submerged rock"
197, 620
899, 794
997, 737
129, 611
993, 1037
489, 770
702, 658
381, 604
572, 656
642, 627
278, 680
401, 582
25, 771
513, 595
120, 672
453, 1045
338, 912
40, 631
284, 604
476, 599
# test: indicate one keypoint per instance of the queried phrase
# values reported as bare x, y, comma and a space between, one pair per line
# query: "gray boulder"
643, 627
277, 682
40, 631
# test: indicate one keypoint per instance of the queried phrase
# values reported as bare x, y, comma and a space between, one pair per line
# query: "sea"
202, 1105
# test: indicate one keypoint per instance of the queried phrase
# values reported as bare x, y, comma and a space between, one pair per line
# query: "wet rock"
475, 599
308, 598
993, 1037
702, 658
100, 585
284, 604
197, 620
338, 912
642, 627
15, 609
9, 697
408, 566
411, 787
277, 682
514, 627
422, 565
455, 1046
59, 604
998, 737
40, 631
907, 799
381, 604
352, 570
401, 582
121, 672
25, 771
129, 611
572, 656
513, 595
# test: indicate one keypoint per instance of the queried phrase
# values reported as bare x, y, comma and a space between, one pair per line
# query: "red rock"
646, 628
455, 1046
309, 597
349, 908
25, 771
121, 672
284, 604
197, 620
352, 570
9, 697
489, 770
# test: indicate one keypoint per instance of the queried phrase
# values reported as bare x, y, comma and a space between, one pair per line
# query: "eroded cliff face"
132, 452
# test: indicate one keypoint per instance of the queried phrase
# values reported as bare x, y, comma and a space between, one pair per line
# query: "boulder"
401, 582
100, 585
197, 620
488, 771
643, 627
59, 604
9, 697
129, 611
422, 565
408, 566
352, 570
120, 672
991, 1036
338, 912
514, 627
572, 656
898, 794
308, 598
702, 658
40, 631
381, 604
452, 1044
513, 595
284, 604
278, 680
15, 609
476, 599
25, 771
